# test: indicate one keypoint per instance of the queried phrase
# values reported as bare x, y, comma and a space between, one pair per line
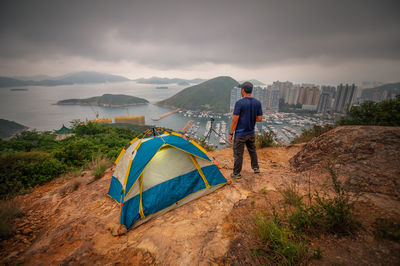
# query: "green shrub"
33, 158
386, 113
267, 139
99, 166
387, 228
291, 195
309, 134
9, 210
280, 245
19, 171
325, 213
202, 142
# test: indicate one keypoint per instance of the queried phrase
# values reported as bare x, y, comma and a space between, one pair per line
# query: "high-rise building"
308, 96
235, 96
293, 95
284, 89
344, 97
274, 99
326, 99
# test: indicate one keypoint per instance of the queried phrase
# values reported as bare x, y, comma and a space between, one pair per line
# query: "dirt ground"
61, 226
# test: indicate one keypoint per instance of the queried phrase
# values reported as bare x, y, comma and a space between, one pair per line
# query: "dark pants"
238, 149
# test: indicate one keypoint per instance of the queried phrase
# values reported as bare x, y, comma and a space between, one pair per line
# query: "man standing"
247, 112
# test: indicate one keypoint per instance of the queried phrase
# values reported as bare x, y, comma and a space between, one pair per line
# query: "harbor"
165, 115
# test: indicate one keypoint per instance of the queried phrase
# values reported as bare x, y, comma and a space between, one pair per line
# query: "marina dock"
187, 126
165, 115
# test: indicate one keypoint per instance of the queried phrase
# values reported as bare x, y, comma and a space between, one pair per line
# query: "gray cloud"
176, 34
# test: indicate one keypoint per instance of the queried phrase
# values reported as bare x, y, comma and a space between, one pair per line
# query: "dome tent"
158, 172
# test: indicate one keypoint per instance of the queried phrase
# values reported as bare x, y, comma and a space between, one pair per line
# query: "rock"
116, 229
367, 155
27, 231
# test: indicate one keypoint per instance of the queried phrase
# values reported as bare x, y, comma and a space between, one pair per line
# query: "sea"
36, 106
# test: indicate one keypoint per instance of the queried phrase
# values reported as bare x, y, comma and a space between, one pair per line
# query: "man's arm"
235, 120
259, 118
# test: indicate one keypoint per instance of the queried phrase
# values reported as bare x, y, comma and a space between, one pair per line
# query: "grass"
309, 134
9, 210
267, 139
69, 188
291, 195
284, 235
279, 244
202, 142
387, 228
98, 166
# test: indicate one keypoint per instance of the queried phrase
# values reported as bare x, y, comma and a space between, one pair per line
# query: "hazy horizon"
321, 42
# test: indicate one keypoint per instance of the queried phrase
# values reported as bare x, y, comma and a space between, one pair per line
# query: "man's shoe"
237, 176
256, 170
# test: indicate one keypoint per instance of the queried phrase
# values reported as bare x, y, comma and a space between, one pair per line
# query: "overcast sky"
324, 42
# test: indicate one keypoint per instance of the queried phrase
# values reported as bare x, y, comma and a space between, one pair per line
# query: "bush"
34, 158
99, 166
387, 228
281, 245
19, 171
9, 210
325, 214
290, 195
267, 139
386, 113
202, 142
309, 134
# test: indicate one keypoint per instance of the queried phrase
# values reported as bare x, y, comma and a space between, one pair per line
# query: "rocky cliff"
367, 156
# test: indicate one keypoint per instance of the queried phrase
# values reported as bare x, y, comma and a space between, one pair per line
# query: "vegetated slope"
368, 156
9, 128
111, 100
211, 95
392, 88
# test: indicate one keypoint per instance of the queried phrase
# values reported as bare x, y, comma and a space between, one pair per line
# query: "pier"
165, 115
187, 126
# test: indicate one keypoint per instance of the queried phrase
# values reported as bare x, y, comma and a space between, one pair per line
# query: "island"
106, 100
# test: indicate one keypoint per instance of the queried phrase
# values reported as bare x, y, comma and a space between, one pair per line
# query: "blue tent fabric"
165, 194
115, 189
215, 173
185, 145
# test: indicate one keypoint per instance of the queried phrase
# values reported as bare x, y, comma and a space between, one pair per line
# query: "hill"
254, 82
158, 80
392, 88
65, 221
106, 100
9, 128
84, 77
211, 95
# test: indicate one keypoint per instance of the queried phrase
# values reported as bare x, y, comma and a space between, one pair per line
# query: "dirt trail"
71, 228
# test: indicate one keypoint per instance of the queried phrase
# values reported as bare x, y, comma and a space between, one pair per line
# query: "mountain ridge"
82, 77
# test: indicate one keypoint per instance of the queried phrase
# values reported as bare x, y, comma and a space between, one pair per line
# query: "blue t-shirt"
247, 109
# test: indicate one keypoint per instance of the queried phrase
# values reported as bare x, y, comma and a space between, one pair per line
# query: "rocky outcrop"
367, 156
